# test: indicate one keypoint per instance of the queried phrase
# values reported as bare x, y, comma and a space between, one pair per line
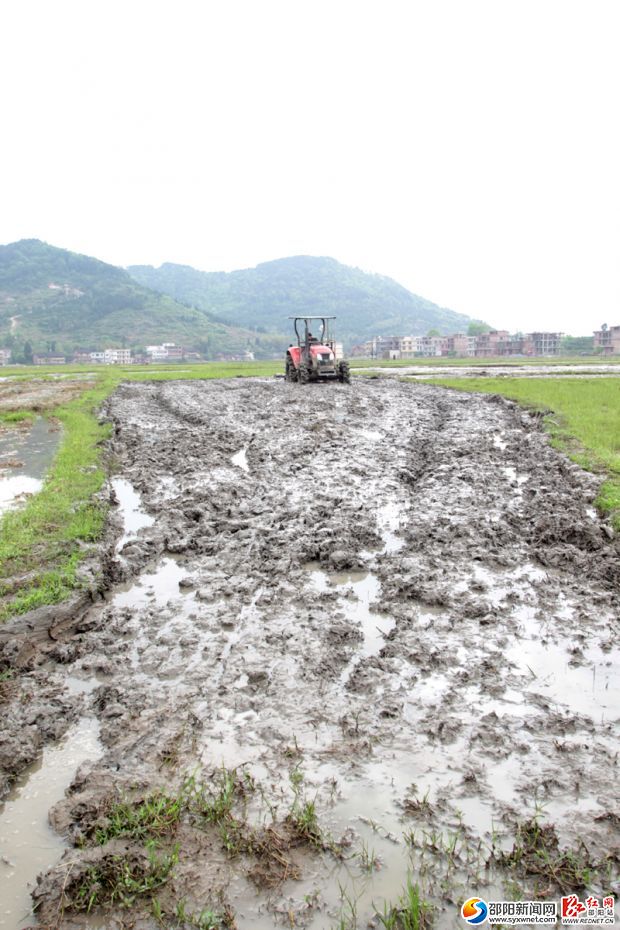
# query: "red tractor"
314, 356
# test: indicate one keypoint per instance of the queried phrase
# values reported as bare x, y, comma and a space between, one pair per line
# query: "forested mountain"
262, 298
53, 299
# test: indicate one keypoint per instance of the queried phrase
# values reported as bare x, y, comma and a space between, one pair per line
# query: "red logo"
572, 906
591, 911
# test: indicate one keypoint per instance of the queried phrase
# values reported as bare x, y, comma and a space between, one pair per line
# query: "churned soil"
388, 601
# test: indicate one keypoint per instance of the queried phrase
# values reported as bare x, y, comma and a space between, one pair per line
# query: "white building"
158, 353
117, 357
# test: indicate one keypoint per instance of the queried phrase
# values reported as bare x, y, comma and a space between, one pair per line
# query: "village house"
607, 340
546, 343
170, 352
49, 358
461, 345
81, 357
493, 344
117, 357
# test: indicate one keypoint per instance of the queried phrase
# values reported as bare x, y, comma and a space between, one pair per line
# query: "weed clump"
213, 803
181, 918
153, 816
119, 879
536, 854
409, 913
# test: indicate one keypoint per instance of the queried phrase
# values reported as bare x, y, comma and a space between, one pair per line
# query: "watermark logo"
597, 912
475, 911
510, 913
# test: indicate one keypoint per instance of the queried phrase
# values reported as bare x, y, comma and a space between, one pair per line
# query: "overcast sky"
470, 149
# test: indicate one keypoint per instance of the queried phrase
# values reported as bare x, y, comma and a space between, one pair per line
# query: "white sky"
468, 148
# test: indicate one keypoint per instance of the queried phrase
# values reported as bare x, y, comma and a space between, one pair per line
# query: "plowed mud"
387, 604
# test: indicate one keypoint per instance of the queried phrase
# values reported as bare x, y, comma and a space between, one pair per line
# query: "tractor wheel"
291, 371
344, 375
303, 374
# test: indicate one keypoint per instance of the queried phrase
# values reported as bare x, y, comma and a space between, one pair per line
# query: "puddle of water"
365, 587
370, 811
130, 504
389, 520
511, 474
29, 846
77, 685
34, 449
13, 490
591, 688
513, 371
153, 589
154, 652
240, 459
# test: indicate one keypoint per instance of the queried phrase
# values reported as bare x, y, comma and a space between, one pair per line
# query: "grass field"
583, 420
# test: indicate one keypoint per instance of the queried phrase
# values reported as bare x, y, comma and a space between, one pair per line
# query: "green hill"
261, 298
58, 300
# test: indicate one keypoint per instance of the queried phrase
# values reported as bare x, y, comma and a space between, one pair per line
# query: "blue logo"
475, 911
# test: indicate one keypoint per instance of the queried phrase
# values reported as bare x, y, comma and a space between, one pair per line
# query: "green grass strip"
584, 423
45, 539
15, 416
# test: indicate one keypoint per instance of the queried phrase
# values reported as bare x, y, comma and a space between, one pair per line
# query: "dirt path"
387, 603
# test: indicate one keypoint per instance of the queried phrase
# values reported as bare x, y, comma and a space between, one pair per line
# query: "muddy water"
402, 597
25, 455
132, 513
475, 370
240, 459
357, 591
29, 845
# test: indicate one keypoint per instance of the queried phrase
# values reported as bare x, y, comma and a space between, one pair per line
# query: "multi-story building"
174, 353
431, 346
607, 340
5, 356
495, 343
461, 345
117, 357
492, 343
157, 353
546, 343
385, 347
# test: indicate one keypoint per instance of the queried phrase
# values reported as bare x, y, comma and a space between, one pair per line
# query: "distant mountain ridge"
262, 298
52, 298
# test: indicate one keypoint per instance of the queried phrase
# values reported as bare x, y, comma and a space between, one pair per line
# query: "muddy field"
39, 394
344, 634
